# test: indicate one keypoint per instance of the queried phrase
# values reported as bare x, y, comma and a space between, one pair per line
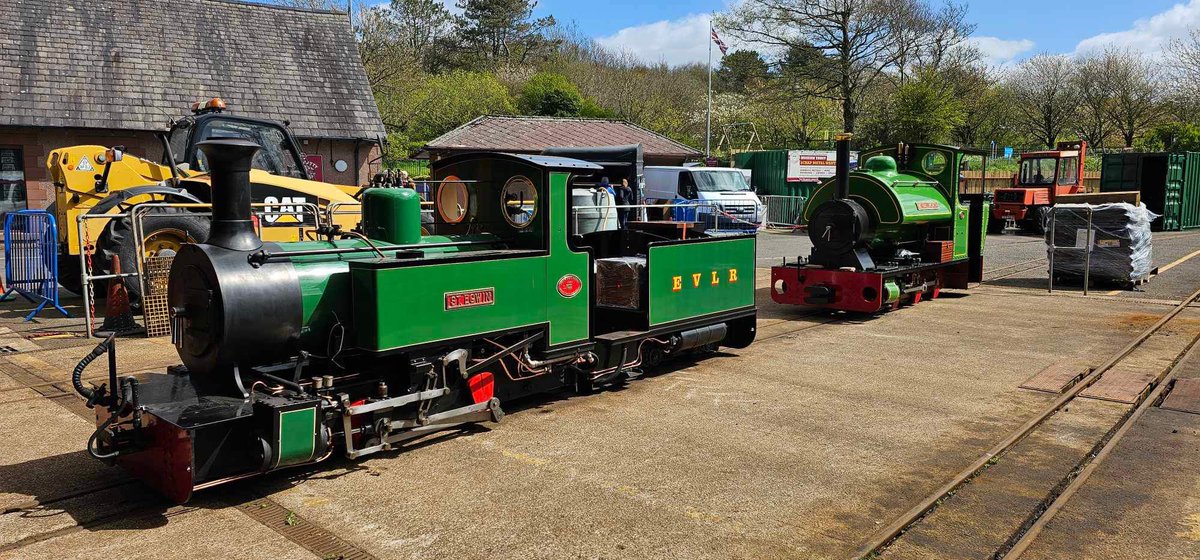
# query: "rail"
711, 216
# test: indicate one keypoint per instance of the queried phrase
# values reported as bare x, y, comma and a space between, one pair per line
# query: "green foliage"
926, 109
503, 30
550, 94
437, 104
1172, 137
739, 70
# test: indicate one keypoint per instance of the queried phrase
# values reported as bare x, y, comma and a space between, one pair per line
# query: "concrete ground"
797, 447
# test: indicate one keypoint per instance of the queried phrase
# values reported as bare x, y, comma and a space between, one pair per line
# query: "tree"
503, 30
440, 103
421, 24
550, 94
1095, 99
1184, 63
739, 69
1045, 96
1133, 83
926, 109
849, 43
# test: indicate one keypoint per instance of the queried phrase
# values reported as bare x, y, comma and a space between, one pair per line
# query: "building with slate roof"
112, 72
531, 135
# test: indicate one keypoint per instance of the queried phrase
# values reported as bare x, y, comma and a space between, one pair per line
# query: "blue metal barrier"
31, 258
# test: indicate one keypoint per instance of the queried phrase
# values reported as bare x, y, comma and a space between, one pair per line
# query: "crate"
938, 252
620, 281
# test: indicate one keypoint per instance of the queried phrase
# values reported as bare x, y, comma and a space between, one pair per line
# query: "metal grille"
155, 311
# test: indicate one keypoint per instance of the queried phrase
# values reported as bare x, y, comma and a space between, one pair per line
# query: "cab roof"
546, 162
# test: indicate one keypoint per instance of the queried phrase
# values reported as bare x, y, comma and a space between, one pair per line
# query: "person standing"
624, 199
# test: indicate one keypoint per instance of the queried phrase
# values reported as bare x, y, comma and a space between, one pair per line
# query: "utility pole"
708, 116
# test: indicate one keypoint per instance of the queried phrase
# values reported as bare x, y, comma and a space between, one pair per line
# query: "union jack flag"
720, 44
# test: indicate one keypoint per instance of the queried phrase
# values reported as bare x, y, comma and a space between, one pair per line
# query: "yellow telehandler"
100, 180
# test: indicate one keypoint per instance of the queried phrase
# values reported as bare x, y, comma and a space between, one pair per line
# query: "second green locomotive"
361, 341
894, 231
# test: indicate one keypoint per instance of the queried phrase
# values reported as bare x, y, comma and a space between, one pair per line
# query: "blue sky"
674, 30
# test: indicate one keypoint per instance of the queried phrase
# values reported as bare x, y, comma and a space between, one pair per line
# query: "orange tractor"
1042, 178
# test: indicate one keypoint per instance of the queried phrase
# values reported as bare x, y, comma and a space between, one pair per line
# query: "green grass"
416, 168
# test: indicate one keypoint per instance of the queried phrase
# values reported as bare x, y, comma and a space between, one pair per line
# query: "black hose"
77, 375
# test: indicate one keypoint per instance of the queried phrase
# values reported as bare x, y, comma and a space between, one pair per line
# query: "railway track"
1020, 539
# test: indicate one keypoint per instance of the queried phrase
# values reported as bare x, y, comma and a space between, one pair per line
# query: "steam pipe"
229, 163
843, 166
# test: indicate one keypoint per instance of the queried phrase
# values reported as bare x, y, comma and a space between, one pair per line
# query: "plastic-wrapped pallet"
1119, 241
619, 282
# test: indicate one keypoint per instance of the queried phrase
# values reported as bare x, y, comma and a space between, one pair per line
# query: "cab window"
1068, 169
275, 157
1037, 171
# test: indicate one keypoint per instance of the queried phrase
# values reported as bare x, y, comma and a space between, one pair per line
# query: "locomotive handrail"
135, 214
261, 257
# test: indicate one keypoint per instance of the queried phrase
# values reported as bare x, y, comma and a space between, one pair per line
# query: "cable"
77, 374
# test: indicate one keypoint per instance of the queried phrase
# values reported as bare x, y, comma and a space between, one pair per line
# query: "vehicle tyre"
69, 273
996, 225
1038, 222
161, 235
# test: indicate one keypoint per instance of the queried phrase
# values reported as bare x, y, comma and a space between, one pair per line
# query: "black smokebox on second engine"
229, 172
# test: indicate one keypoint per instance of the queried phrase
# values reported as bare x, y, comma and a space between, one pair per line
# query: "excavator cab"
279, 154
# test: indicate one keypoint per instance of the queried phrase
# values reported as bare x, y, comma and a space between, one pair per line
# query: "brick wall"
36, 144
333, 150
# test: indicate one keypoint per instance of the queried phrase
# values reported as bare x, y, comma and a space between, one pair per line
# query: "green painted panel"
961, 228
893, 199
403, 306
297, 436
698, 278
398, 307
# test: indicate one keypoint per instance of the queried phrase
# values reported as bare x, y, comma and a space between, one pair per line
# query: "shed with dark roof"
114, 72
532, 135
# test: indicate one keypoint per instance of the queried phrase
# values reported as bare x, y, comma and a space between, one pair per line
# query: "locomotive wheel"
162, 237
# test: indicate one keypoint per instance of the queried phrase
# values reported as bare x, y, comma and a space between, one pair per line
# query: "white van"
724, 188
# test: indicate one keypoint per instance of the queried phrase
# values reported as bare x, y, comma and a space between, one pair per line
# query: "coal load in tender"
1119, 241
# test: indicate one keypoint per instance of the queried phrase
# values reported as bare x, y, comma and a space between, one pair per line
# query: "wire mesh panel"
784, 211
156, 313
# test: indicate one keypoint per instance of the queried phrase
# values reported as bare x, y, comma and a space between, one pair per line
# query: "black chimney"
229, 170
843, 166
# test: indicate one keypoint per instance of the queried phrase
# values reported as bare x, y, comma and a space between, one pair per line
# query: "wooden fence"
977, 184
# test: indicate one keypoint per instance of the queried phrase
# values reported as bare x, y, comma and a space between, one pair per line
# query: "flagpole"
708, 115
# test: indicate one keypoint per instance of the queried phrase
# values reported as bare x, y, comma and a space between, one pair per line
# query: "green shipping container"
1169, 183
768, 173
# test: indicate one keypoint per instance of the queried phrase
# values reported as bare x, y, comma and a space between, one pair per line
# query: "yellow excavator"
100, 180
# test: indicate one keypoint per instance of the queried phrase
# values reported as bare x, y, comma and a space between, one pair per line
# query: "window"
720, 181
453, 199
12, 180
275, 157
934, 163
519, 201
1068, 171
1038, 171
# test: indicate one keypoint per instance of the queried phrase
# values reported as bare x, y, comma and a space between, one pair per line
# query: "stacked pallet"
1112, 241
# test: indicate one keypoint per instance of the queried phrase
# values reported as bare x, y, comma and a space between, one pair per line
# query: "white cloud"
1149, 35
999, 51
679, 41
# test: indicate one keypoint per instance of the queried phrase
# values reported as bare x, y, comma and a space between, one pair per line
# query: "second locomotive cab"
363, 340
894, 231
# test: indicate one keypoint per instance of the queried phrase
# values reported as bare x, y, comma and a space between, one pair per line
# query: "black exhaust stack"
229, 170
843, 166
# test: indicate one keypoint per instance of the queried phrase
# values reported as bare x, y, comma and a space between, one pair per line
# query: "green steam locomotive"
365, 339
